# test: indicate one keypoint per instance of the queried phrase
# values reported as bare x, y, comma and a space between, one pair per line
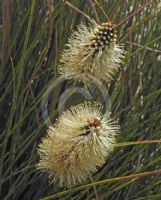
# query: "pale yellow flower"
77, 144
91, 52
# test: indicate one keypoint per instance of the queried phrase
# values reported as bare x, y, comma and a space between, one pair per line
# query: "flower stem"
94, 187
137, 142
135, 12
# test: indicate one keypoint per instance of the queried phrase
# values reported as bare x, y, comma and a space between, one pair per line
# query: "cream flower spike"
91, 52
77, 144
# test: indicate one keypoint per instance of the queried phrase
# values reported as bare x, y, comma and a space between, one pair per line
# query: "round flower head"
77, 144
91, 52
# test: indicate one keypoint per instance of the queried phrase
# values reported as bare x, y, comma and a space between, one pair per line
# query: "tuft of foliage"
33, 36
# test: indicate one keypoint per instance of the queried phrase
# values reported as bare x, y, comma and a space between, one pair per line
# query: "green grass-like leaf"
33, 36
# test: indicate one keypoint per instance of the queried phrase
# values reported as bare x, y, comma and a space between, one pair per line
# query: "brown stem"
94, 187
137, 142
77, 9
129, 30
135, 12
143, 174
103, 182
94, 11
102, 11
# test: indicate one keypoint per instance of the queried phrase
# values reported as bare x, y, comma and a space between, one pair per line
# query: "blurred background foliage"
33, 33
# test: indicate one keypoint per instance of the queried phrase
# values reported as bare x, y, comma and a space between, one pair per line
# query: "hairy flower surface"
77, 144
91, 52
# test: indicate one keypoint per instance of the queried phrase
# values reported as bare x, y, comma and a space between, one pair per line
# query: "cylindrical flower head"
77, 144
91, 52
